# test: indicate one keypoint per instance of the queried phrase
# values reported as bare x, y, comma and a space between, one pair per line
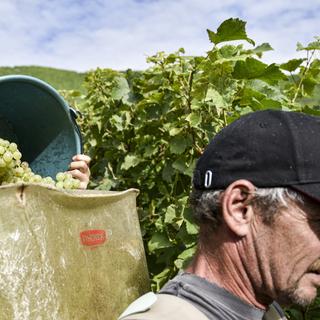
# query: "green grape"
11, 165
36, 178
13, 147
7, 157
69, 175
14, 180
60, 176
67, 184
60, 185
13, 170
76, 184
18, 171
17, 155
26, 178
5, 143
48, 180
24, 164
2, 163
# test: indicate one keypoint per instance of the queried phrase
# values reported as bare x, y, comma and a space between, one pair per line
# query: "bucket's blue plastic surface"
39, 120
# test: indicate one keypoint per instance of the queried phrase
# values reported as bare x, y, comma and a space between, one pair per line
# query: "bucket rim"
39, 83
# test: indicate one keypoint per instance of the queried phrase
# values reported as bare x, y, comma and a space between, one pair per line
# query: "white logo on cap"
208, 179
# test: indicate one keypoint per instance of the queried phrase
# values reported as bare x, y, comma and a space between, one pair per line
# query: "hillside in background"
58, 78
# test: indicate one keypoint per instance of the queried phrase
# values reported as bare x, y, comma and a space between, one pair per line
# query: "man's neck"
224, 267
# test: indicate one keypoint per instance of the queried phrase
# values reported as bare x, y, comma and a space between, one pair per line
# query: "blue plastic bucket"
40, 121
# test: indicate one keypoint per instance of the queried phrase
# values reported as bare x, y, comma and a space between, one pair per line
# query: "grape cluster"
13, 170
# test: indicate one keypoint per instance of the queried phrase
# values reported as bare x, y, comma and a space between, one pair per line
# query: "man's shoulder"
140, 305
161, 307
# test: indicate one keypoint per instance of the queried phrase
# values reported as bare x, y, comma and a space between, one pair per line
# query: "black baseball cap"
270, 148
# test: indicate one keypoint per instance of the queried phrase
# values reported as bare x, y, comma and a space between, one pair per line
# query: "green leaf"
183, 201
315, 65
187, 239
274, 92
117, 122
191, 228
249, 69
178, 144
315, 45
161, 278
130, 161
185, 257
295, 314
150, 149
292, 64
190, 169
255, 69
271, 104
180, 165
309, 84
230, 30
311, 111
216, 98
248, 94
262, 48
229, 51
167, 173
170, 215
194, 119
244, 111
121, 89
175, 131
158, 241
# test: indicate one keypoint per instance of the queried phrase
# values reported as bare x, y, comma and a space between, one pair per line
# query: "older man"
256, 199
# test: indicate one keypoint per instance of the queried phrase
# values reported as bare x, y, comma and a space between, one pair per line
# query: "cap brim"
311, 190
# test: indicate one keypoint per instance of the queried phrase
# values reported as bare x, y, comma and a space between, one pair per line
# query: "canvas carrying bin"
69, 255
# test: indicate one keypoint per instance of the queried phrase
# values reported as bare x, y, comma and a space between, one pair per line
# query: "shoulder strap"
274, 312
165, 307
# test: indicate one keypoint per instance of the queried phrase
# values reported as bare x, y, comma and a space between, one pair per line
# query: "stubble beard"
297, 295
304, 292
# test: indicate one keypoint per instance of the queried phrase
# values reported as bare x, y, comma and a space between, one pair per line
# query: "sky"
82, 35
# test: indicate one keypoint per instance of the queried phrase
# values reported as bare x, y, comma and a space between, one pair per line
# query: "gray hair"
206, 205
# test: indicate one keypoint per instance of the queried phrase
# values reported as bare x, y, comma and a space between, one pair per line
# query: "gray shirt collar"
211, 299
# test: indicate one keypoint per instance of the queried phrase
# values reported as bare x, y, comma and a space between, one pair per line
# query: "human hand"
79, 169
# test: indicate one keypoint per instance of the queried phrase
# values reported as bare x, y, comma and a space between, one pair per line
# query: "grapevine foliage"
146, 129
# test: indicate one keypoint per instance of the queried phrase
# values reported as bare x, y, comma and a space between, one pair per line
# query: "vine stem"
189, 90
303, 75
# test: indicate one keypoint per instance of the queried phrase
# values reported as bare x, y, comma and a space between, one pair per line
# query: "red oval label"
93, 237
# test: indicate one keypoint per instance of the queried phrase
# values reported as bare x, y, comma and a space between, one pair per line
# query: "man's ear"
236, 212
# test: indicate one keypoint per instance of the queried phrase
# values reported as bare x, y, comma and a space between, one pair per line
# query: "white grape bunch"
12, 170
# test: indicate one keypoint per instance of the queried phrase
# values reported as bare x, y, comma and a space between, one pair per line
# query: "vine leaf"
292, 64
315, 45
230, 30
255, 69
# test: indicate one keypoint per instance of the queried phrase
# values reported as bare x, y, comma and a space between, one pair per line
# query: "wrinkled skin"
286, 253
260, 262
296, 238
